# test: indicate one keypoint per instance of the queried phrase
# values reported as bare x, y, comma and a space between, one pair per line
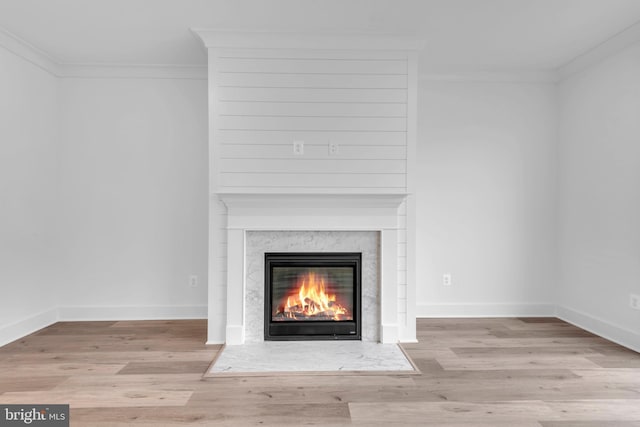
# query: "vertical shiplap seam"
214, 96
412, 120
218, 211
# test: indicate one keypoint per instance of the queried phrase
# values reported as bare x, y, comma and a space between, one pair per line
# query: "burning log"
311, 301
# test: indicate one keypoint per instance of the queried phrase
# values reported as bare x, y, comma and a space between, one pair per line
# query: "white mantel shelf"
312, 211
292, 200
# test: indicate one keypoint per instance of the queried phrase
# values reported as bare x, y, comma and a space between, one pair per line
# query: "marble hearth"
259, 223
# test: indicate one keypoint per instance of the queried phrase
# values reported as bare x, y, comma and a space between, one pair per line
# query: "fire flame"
312, 299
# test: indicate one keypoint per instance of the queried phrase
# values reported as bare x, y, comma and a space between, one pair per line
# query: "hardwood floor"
475, 372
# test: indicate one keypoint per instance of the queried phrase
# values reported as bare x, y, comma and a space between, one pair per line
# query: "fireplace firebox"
312, 296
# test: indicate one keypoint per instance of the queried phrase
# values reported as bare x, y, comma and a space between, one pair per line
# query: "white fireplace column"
236, 286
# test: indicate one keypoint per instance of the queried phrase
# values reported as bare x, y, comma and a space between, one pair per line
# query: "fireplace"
312, 296
257, 224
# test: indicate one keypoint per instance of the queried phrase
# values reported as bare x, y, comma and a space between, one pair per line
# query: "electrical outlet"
298, 148
446, 279
334, 149
193, 281
634, 301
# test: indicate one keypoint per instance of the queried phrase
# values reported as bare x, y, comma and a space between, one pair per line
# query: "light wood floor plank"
49, 369
596, 410
115, 357
102, 397
25, 383
526, 361
458, 412
166, 367
614, 375
600, 423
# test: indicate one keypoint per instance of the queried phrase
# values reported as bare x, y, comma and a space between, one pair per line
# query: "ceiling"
460, 34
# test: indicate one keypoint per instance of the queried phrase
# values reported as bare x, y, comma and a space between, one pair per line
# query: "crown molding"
598, 53
491, 76
302, 40
44, 61
133, 71
28, 52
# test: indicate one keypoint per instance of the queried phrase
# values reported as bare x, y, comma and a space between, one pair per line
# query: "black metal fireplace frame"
299, 330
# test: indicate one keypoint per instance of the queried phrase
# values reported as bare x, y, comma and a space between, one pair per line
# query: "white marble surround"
259, 242
257, 223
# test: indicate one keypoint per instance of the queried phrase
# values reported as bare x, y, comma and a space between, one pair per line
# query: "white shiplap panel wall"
267, 99
262, 100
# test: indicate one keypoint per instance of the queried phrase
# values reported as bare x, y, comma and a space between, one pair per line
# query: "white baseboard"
615, 333
485, 310
84, 313
21, 328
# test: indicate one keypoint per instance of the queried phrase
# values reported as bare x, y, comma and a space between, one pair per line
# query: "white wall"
599, 197
104, 199
134, 197
485, 198
28, 191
